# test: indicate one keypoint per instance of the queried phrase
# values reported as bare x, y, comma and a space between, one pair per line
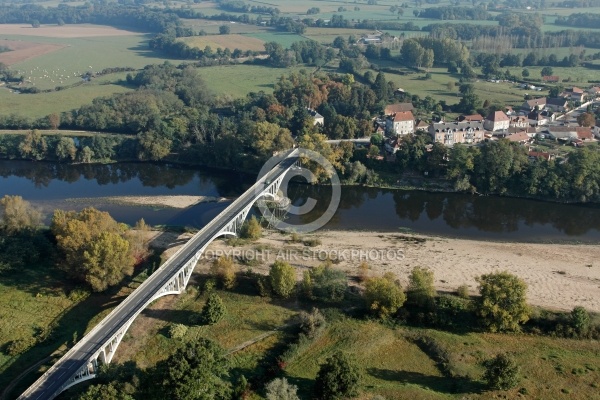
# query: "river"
52, 185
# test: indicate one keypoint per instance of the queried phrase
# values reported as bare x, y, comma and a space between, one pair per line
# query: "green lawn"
285, 39
41, 104
239, 80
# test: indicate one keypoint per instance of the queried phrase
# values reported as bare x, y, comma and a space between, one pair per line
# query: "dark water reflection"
50, 185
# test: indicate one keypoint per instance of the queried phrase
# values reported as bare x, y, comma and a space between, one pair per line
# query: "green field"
285, 39
82, 53
41, 104
239, 80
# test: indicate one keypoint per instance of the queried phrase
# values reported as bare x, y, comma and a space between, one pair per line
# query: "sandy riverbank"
559, 276
155, 201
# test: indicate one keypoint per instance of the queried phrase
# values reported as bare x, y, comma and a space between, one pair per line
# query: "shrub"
214, 310
312, 242
19, 346
312, 324
363, 271
325, 283
223, 269
282, 278
580, 321
421, 291
502, 305
177, 331
453, 312
384, 296
501, 372
251, 229
338, 378
280, 389
463, 292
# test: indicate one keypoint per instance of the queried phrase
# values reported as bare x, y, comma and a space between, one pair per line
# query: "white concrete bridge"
98, 347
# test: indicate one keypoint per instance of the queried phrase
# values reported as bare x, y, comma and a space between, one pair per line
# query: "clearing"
21, 50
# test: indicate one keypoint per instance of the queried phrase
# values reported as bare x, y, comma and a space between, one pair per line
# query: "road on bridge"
51, 383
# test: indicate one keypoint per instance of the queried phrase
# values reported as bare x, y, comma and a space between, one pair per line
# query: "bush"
501, 372
19, 346
214, 310
177, 331
325, 283
312, 242
338, 378
282, 278
463, 292
251, 229
580, 321
280, 389
421, 291
453, 312
312, 324
502, 305
363, 271
384, 296
223, 269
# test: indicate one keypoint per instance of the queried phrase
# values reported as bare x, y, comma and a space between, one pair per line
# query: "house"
584, 134
398, 107
521, 137
317, 118
401, 123
496, 121
371, 39
509, 111
540, 118
450, 133
596, 129
550, 78
518, 122
471, 118
594, 92
574, 94
533, 104
421, 125
392, 145
557, 104
565, 133
535, 155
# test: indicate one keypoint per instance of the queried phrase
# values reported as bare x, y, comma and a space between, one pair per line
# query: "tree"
555, 91
153, 146
525, 73
374, 151
251, 229
280, 389
384, 296
214, 310
197, 370
103, 261
93, 246
107, 391
35, 23
18, 215
586, 119
224, 30
177, 331
54, 120
580, 320
33, 146
224, 270
501, 372
268, 138
66, 149
339, 42
380, 87
502, 304
139, 241
547, 71
420, 287
337, 378
283, 278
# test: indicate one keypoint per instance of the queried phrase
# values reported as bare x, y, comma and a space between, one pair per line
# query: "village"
550, 121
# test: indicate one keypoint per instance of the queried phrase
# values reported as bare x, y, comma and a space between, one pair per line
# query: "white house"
402, 123
496, 121
450, 133
317, 118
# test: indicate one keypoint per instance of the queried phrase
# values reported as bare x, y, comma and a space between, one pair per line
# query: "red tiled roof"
498, 116
399, 107
518, 137
403, 116
584, 133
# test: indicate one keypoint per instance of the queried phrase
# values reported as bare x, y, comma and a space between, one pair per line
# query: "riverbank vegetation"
433, 345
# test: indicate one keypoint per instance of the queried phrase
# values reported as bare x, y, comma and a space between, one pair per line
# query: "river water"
52, 185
